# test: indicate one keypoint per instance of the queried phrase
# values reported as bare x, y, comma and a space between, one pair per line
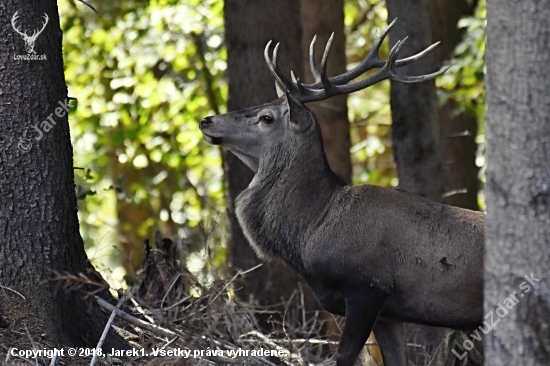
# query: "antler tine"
324, 62
413, 58
371, 61
299, 89
293, 77
394, 52
280, 78
417, 79
321, 78
392, 64
268, 59
386, 72
378, 76
312, 64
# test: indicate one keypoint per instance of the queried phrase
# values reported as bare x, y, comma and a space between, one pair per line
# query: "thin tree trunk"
38, 210
517, 260
414, 106
415, 135
321, 18
458, 152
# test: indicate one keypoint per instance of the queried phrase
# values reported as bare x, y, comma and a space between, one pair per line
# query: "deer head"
29, 40
255, 133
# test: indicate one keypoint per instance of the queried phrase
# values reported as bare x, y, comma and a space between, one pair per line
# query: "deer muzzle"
205, 126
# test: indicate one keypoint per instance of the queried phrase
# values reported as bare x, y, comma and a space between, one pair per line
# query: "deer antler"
325, 87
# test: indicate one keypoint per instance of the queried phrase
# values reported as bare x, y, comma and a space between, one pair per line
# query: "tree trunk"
415, 135
38, 210
321, 18
517, 260
414, 106
458, 152
457, 131
249, 26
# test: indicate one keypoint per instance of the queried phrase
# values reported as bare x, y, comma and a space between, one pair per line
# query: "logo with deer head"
29, 39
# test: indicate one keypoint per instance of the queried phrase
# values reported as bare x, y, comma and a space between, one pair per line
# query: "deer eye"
267, 119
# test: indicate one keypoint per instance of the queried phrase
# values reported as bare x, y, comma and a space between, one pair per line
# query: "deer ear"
299, 116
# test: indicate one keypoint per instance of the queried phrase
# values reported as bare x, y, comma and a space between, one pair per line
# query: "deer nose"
205, 122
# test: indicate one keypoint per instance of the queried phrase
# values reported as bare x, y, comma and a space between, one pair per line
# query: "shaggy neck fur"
287, 199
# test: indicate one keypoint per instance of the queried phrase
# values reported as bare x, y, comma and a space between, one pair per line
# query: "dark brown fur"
367, 252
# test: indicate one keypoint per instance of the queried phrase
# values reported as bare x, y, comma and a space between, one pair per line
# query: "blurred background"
145, 72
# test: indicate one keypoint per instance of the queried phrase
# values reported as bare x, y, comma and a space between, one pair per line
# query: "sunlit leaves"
369, 110
141, 90
140, 74
464, 81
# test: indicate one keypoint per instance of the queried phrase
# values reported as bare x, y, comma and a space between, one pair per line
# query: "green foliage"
464, 82
144, 74
369, 109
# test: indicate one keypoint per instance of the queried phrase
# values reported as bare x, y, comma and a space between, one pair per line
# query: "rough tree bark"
415, 134
414, 106
518, 182
38, 216
321, 18
249, 25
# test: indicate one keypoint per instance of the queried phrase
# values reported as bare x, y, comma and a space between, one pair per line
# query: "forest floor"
211, 329
172, 319
21, 330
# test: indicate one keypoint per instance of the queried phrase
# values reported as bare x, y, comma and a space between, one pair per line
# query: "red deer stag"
378, 256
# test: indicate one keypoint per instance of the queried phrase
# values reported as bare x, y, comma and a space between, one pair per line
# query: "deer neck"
286, 200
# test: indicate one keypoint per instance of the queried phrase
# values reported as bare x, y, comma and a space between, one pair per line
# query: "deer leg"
362, 308
392, 342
